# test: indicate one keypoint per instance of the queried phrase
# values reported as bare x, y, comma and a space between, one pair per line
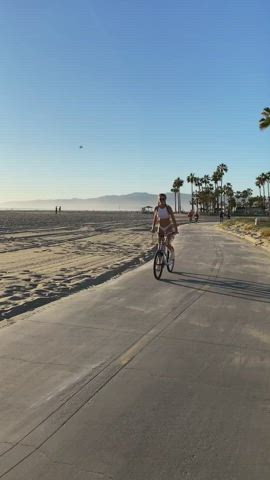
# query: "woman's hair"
163, 195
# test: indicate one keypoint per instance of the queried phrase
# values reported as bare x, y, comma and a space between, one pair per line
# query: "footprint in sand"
21, 288
17, 297
41, 291
16, 287
9, 289
51, 294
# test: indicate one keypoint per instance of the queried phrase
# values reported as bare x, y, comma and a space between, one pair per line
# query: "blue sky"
153, 90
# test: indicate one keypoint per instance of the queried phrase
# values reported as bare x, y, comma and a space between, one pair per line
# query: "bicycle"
162, 258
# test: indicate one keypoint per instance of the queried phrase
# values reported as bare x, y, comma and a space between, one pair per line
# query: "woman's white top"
163, 213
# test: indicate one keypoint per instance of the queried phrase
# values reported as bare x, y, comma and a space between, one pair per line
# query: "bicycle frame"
163, 248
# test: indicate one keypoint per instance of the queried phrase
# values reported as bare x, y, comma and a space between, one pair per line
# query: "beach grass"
247, 226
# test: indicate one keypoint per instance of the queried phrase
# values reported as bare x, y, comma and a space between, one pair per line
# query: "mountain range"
132, 201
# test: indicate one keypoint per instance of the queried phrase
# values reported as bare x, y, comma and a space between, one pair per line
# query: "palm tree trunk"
175, 202
221, 186
179, 201
217, 200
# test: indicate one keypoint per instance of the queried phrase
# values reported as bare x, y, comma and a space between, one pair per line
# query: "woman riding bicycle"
167, 227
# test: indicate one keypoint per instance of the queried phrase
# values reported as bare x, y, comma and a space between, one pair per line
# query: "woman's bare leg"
168, 243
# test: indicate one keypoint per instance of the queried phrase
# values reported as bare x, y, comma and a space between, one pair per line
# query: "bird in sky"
81, 146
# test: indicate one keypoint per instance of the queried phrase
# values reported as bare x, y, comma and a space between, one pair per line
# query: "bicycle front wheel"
170, 262
158, 265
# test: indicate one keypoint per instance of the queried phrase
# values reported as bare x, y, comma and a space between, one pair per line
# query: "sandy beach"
44, 256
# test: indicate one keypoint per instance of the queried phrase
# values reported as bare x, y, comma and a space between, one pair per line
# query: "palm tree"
238, 197
228, 192
267, 176
262, 178
206, 180
191, 179
198, 183
232, 203
258, 184
265, 121
246, 195
174, 190
196, 197
216, 177
209, 197
178, 184
222, 168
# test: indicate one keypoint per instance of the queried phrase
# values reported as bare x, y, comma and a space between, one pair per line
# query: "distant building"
147, 209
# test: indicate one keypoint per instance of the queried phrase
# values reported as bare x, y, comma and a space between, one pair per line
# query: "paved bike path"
145, 379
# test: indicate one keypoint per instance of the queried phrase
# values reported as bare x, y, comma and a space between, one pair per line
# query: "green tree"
228, 192
258, 184
179, 183
232, 203
174, 190
222, 168
262, 180
267, 176
216, 177
265, 120
198, 184
246, 196
191, 179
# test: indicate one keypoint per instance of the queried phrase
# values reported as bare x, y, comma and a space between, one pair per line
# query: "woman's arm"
172, 217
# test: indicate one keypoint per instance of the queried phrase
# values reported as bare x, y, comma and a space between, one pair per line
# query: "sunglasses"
162, 198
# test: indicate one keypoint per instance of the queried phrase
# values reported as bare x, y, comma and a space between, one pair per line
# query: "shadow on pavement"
248, 290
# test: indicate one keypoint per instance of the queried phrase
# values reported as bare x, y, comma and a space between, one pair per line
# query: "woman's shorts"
166, 232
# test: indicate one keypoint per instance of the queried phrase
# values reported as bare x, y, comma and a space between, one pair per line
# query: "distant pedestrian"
229, 215
190, 216
59, 209
221, 216
196, 217
56, 210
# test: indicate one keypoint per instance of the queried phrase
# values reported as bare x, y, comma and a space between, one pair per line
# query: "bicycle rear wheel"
158, 265
170, 262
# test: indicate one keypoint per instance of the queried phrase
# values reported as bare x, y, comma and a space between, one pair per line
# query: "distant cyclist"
167, 226
221, 216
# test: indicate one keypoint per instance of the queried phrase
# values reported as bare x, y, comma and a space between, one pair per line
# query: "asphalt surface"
140, 379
